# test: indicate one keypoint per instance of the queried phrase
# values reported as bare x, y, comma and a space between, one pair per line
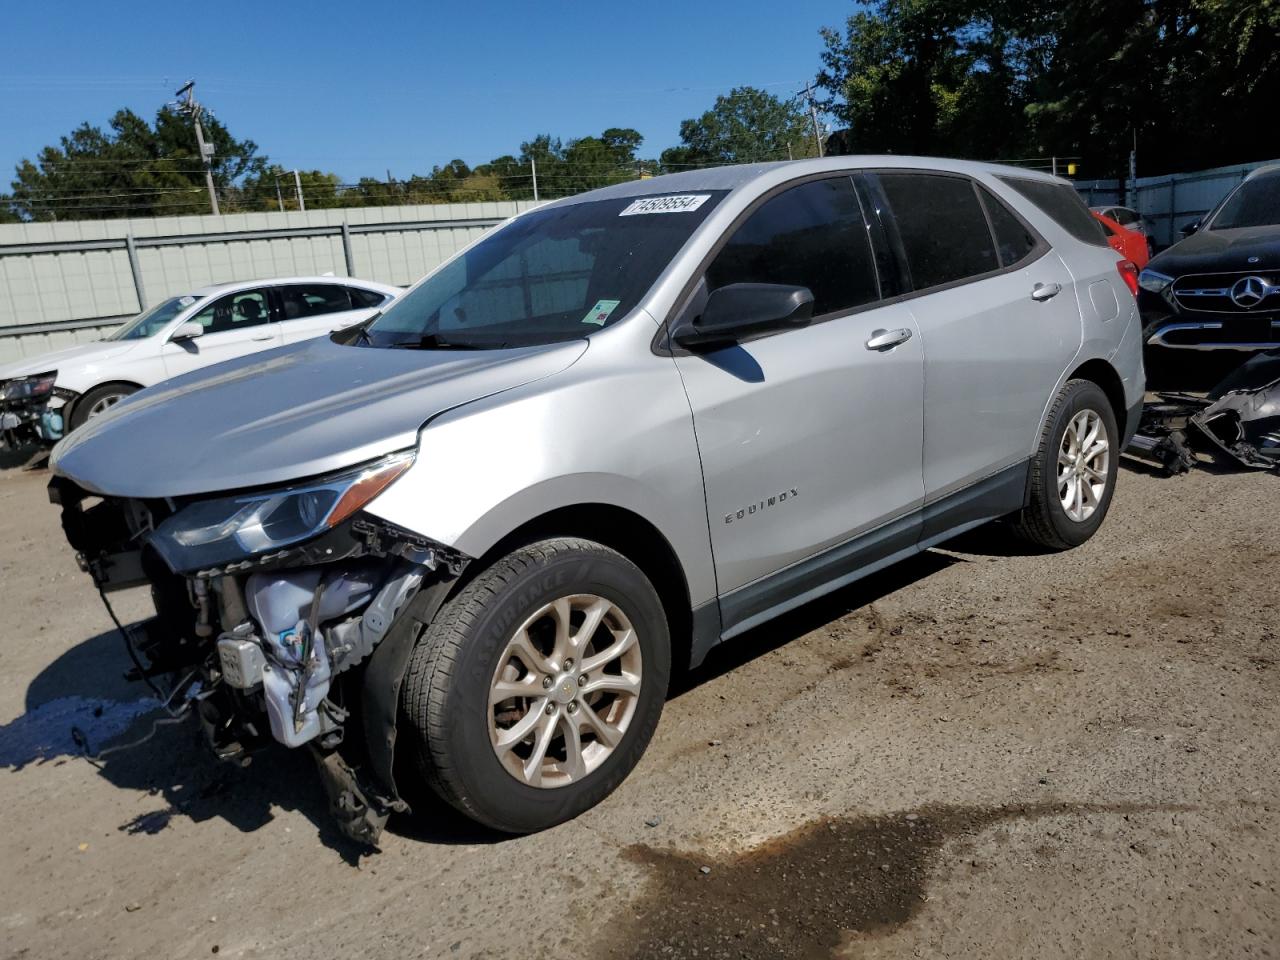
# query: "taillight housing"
1129, 274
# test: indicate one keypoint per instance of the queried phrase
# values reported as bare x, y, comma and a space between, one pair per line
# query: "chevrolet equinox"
476, 534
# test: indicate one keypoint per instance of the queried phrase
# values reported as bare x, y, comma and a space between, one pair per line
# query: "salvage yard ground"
976, 754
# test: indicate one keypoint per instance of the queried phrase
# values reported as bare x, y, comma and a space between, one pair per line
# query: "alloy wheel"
104, 404
565, 691
1084, 465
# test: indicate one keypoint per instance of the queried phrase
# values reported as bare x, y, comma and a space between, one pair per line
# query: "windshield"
1256, 203
150, 322
553, 274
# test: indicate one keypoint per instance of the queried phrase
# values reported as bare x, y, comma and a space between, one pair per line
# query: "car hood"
1221, 251
295, 412
83, 355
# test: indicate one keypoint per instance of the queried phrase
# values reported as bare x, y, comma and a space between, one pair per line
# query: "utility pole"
813, 114
533, 165
297, 186
194, 111
279, 195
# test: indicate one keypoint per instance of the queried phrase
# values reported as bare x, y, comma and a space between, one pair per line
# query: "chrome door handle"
1045, 291
888, 339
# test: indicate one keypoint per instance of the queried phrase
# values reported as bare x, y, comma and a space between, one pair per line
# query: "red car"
1128, 243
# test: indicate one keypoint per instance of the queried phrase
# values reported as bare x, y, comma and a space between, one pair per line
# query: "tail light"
1129, 274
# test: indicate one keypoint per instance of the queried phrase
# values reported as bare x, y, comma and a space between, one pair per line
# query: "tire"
1045, 521
96, 400
467, 650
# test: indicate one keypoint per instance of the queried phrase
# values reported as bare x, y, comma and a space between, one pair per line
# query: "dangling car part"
465, 544
1240, 417
274, 639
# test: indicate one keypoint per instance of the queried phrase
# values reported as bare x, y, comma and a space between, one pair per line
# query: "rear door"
808, 437
312, 309
234, 325
998, 318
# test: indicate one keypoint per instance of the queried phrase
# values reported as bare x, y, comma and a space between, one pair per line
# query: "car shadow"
81, 704
30, 457
85, 689
734, 653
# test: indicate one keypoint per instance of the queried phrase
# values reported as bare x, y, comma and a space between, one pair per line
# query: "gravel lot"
976, 754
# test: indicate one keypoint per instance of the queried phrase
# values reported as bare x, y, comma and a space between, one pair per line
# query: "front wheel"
536, 689
1073, 473
99, 400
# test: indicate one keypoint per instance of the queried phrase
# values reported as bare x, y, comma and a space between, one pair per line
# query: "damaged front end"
285, 614
1240, 417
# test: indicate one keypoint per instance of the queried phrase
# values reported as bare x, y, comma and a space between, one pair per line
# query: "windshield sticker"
600, 312
685, 203
186, 301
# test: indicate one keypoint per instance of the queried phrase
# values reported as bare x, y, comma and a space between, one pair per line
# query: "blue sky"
360, 88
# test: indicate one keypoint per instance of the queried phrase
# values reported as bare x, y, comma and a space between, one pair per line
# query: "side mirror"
188, 331
741, 309
1190, 227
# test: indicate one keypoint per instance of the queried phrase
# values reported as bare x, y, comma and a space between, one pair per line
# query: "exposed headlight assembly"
212, 533
31, 387
1153, 281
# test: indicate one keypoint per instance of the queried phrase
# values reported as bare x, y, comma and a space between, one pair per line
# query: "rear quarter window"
1063, 205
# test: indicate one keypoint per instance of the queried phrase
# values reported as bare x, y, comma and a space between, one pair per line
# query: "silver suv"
481, 530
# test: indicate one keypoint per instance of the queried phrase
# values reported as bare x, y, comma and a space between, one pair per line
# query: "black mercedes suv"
1219, 289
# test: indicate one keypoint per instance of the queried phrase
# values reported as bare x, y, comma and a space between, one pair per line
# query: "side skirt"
751, 605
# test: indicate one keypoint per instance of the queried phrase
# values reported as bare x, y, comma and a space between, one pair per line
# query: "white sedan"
56, 392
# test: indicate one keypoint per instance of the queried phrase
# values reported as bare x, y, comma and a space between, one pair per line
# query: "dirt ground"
976, 754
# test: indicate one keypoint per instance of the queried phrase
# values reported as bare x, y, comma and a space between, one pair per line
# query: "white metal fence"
66, 283
1172, 200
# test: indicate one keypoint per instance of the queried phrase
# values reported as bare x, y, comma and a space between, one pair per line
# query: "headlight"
211, 533
35, 386
1153, 281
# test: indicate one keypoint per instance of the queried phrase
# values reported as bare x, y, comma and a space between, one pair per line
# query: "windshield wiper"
433, 341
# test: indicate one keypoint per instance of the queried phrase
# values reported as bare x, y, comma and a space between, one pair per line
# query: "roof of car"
228, 286
1265, 171
739, 175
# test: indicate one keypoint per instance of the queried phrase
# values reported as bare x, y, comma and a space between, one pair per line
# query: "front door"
808, 437
234, 325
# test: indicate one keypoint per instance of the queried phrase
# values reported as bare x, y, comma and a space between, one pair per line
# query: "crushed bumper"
306, 647
1238, 418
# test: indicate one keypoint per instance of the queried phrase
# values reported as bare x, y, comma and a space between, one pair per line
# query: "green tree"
131, 169
744, 126
998, 79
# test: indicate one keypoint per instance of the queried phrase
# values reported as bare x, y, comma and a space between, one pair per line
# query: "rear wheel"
536, 689
1073, 473
99, 400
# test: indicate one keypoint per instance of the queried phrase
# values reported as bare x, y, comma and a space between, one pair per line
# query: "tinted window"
1014, 239
1061, 202
943, 229
557, 273
1256, 203
235, 312
361, 298
1124, 217
313, 300
811, 236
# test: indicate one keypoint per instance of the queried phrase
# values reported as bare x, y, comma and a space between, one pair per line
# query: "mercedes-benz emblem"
1248, 292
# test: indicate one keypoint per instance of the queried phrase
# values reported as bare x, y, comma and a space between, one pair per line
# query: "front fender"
624, 439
